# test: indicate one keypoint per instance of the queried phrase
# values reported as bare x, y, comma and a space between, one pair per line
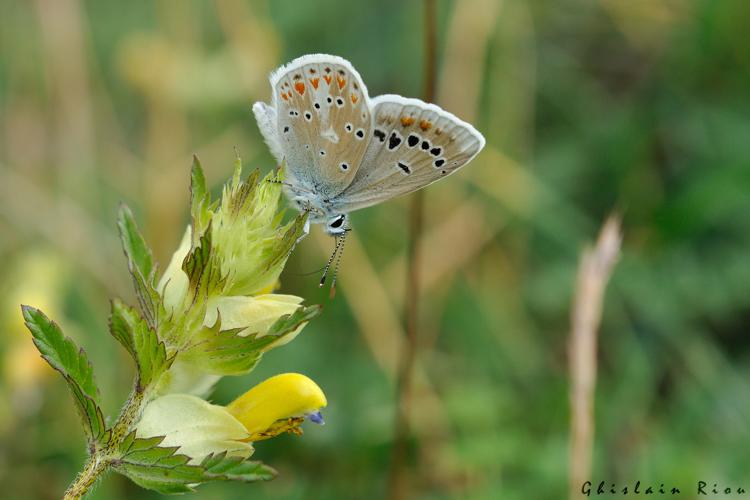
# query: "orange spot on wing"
406, 120
315, 82
342, 81
354, 99
327, 78
299, 87
425, 125
284, 96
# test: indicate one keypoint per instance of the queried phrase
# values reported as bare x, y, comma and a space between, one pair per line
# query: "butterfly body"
343, 151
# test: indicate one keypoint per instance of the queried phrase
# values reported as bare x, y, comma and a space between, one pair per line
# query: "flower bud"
254, 315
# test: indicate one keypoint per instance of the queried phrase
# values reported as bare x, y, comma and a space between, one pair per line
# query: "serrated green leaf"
290, 322
224, 352
133, 244
73, 364
221, 467
197, 181
200, 199
132, 331
243, 197
204, 273
166, 471
140, 265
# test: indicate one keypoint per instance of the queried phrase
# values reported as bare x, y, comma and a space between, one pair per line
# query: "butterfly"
343, 151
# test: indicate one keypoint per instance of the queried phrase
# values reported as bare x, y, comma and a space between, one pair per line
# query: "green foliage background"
635, 105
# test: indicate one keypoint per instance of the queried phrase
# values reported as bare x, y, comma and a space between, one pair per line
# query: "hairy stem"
102, 457
95, 466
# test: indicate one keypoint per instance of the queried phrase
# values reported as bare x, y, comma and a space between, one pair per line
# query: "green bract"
211, 314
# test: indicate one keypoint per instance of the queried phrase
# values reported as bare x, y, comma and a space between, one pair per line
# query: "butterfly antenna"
330, 261
338, 263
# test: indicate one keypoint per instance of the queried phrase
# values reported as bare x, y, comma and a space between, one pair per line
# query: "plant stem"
398, 488
101, 458
95, 466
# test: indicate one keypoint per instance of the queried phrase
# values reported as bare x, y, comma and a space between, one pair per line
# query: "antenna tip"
332, 292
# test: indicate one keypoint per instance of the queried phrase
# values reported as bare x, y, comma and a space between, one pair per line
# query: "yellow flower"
198, 428
279, 404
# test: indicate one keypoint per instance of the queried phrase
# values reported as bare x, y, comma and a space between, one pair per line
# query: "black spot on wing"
404, 168
379, 134
394, 141
412, 140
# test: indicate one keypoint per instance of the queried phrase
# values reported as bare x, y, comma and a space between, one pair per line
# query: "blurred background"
639, 106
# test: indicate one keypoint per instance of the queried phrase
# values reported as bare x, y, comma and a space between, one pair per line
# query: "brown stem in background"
593, 273
398, 487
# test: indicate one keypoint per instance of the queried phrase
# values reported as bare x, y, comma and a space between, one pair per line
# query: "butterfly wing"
265, 115
322, 122
412, 144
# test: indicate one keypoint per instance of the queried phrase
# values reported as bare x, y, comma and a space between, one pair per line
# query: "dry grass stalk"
593, 273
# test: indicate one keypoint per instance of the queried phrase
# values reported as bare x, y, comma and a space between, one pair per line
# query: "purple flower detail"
316, 417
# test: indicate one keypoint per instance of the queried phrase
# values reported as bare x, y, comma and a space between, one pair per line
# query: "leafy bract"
73, 364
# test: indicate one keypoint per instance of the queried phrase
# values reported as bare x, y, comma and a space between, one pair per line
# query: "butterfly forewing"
412, 144
323, 122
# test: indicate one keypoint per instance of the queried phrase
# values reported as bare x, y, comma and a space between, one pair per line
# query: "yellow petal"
282, 397
197, 427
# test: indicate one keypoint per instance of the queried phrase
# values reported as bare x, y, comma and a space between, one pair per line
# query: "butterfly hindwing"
411, 145
323, 121
265, 115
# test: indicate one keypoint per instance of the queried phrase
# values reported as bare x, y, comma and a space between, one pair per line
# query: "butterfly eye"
337, 222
